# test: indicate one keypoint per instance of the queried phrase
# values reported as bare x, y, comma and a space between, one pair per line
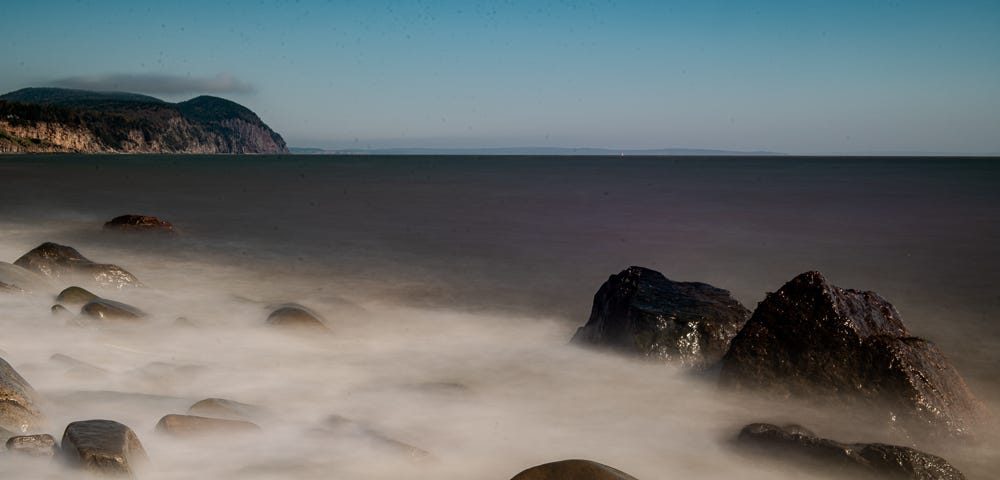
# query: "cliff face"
58, 120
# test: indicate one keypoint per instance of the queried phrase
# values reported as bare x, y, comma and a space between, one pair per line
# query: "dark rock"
19, 412
58, 310
111, 310
295, 316
813, 340
355, 431
16, 279
641, 312
75, 296
222, 408
33, 445
573, 470
103, 446
190, 425
865, 460
138, 223
59, 261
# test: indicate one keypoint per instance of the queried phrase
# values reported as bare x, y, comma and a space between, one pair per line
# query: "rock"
222, 408
868, 460
103, 446
77, 367
573, 470
59, 310
59, 262
33, 445
16, 279
813, 340
641, 312
295, 316
355, 431
75, 296
111, 310
18, 410
138, 223
190, 425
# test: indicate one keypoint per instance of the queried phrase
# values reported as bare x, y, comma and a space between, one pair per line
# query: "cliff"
61, 120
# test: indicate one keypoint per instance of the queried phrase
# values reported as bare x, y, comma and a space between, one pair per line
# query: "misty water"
451, 286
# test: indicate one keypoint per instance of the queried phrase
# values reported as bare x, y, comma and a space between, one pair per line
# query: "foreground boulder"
573, 470
813, 340
18, 402
138, 223
191, 425
65, 263
866, 460
103, 446
641, 312
103, 309
294, 316
43, 445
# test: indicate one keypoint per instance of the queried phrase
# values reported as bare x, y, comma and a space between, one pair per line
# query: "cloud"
158, 83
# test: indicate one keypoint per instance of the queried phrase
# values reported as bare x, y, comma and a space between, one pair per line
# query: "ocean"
452, 285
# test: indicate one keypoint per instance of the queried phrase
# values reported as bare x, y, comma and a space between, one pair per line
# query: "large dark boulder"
572, 470
857, 460
61, 262
813, 340
19, 412
138, 223
103, 446
641, 312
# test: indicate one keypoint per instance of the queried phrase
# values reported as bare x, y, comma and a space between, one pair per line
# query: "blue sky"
797, 76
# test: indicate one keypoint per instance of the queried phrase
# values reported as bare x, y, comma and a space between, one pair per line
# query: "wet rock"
111, 310
573, 470
76, 296
346, 428
813, 340
222, 408
864, 460
138, 223
16, 279
294, 316
19, 412
641, 312
43, 445
103, 446
191, 425
61, 262
59, 310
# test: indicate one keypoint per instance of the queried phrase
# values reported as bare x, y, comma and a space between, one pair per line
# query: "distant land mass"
521, 151
36, 120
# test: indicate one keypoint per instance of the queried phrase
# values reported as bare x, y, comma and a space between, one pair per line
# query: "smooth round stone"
75, 296
111, 310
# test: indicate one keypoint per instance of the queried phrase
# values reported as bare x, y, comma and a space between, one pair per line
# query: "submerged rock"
813, 340
58, 310
573, 470
138, 223
641, 312
60, 262
295, 316
75, 296
19, 412
103, 446
111, 310
222, 408
43, 445
343, 427
867, 460
191, 425
17, 279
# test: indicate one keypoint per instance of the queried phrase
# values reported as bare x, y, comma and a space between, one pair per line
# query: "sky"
803, 76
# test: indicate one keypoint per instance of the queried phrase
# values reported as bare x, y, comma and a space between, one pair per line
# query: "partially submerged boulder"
813, 340
192, 425
43, 445
103, 446
138, 223
223, 408
573, 470
75, 296
17, 279
104, 309
865, 460
343, 427
641, 312
61, 262
19, 412
295, 316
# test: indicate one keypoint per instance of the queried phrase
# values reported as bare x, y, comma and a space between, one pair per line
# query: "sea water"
451, 286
